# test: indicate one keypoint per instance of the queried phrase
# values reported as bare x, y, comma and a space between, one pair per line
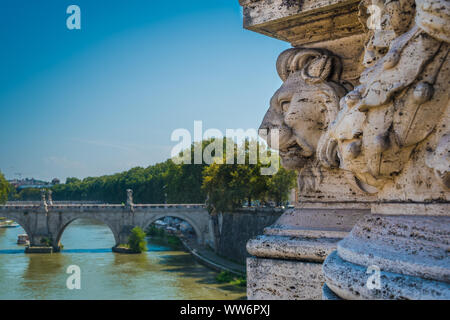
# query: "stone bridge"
46, 222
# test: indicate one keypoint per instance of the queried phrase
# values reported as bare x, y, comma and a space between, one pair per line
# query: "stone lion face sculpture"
304, 106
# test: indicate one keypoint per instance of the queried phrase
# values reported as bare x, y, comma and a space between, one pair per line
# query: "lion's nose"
269, 123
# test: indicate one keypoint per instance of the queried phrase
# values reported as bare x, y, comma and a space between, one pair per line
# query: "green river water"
157, 274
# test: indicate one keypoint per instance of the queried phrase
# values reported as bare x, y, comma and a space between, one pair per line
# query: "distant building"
56, 181
29, 183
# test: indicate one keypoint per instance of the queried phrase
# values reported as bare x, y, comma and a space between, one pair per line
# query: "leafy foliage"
223, 187
230, 186
162, 236
154, 231
46, 242
228, 277
279, 185
136, 241
4, 189
29, 194
224, 277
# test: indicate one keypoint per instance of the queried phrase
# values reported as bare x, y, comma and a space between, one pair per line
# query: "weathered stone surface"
302, 238
413, 245
283, 280
318, 220
300, 22
398, 114
365, 123
349, 281
397, 117
295, 248
301, 111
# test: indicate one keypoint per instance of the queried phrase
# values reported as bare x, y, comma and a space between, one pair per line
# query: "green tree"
226, 187
280, 184
4, 189
29, 194
230, 186
137, 241
217, 183
13, 195
72, 180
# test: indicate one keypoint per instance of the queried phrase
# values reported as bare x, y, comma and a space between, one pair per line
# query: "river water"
157, 274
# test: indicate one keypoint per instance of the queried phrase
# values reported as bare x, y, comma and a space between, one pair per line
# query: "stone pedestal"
288, 257
411, 253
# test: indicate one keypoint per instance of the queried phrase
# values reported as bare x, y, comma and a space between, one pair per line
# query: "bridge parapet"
169, 206
8, 207
99, 207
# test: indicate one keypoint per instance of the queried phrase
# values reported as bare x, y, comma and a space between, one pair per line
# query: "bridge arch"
57, 239
184, 217
21, 220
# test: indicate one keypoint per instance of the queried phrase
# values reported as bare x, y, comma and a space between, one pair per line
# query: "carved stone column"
317, 73
382, 151
287, 258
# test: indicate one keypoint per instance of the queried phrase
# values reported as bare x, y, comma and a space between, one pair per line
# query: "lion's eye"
285, 105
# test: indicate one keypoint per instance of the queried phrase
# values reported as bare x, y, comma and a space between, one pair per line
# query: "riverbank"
210, 259
202, 254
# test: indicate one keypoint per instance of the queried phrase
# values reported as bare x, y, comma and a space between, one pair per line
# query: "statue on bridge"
129, 198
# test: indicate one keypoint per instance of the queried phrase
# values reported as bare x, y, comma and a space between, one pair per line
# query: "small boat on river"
23, 239
8, 224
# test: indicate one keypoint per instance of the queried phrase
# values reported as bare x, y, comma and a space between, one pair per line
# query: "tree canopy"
222, 187
4, 189
136, 241
231, 186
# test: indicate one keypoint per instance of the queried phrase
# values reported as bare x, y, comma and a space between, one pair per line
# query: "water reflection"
40, 271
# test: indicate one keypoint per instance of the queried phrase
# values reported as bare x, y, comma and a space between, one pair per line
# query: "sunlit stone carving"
392, 133
289, 253
302, 109
385, 144
402, 101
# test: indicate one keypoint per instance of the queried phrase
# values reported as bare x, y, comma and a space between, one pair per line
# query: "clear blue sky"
107, 97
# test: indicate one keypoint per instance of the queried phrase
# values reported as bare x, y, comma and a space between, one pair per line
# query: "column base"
271, 279
287, 258
345, 280
410, 254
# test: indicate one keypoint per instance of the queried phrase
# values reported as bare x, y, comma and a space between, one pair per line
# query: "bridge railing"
23, 206
12, 203
169, 205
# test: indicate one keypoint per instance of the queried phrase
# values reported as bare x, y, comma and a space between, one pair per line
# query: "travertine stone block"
282, 279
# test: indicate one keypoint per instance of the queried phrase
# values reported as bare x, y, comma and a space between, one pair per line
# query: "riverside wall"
238, 227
